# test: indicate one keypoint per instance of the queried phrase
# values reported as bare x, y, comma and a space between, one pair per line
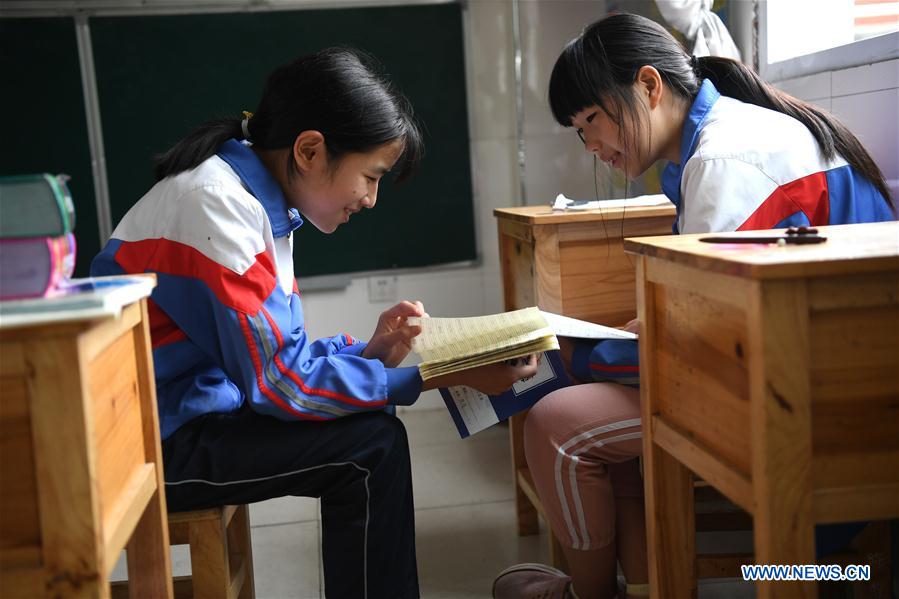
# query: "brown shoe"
532, 581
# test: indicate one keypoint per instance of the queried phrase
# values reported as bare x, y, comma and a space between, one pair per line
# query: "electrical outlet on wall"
381, 289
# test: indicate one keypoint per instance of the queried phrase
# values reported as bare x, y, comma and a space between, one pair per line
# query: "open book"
449, 345
454, 344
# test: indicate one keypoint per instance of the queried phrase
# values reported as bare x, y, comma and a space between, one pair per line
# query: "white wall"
865, 99
555, 160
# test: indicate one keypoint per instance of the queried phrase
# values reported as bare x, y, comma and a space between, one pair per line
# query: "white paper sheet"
572, 327
563, 203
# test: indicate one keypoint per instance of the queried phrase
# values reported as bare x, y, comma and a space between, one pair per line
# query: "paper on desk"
563, 203
572, 327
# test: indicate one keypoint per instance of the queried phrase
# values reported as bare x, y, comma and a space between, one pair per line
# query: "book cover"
35, 266
473, 411
35, 206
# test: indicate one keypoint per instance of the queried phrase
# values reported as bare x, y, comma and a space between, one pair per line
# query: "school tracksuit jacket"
226, 318
744, 168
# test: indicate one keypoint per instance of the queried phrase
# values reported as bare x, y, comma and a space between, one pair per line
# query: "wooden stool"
221, 554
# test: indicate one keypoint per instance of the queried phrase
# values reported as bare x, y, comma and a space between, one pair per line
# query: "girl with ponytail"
251, 408
741, 155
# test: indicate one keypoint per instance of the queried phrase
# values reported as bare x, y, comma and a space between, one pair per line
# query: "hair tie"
245, 124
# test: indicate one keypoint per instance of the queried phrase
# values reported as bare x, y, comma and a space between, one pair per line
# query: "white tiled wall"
865, 99
555, 160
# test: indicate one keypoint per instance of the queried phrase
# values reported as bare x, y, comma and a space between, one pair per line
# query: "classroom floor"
465, 524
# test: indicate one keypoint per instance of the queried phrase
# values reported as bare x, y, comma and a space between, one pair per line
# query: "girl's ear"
309, 151
649, 85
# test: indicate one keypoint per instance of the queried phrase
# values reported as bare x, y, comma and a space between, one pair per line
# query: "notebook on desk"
78, 299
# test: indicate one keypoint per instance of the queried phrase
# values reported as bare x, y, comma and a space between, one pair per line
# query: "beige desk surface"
848, 249
544, 215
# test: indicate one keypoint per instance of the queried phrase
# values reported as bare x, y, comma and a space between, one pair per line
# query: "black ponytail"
199, 145
600, 67
734, 79
335, 91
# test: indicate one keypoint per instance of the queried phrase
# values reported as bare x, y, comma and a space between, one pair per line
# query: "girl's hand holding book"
392, 340
632, 327
491, 379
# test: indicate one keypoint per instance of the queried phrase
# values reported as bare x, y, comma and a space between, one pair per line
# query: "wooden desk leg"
525, 512
149, 565
670, 516
780, 416
670, 523
68, 500
149, 560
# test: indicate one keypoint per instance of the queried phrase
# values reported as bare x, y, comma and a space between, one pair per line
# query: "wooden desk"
773, 374
570, 263
80, 459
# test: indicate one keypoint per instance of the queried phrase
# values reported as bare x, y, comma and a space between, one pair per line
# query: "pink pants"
581, 444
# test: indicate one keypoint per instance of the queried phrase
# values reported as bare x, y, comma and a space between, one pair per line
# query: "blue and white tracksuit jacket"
225, 318
744, 168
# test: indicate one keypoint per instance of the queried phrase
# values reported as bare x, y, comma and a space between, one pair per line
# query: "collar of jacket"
671, 177
262, 185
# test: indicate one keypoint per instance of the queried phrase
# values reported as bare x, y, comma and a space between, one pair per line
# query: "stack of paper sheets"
449, 345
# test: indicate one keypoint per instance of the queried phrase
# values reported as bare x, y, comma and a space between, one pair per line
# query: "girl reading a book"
741, 155
250, 407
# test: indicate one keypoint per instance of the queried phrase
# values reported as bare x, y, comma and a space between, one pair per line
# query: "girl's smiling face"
646, 130
617, 145
352, 185
327, 191
601, 136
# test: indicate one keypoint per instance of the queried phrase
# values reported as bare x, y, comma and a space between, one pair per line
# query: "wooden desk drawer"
854, 379
702, 374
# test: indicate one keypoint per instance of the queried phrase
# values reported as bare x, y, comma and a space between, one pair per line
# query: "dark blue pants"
359, 467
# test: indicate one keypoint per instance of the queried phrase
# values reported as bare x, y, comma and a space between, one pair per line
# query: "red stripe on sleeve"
302, 385
257, 367
163, 330
606, 368
808, 195
244, 293
349, 340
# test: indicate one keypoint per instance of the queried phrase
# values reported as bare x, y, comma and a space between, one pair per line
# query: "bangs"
576, 82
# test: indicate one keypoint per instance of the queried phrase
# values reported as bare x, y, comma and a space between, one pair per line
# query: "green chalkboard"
160, 76
43, 121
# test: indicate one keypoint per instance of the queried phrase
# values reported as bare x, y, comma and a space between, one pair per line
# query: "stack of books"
37, 246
